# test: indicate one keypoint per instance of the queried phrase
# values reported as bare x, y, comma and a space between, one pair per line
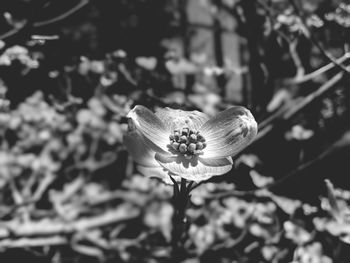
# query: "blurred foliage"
71, 70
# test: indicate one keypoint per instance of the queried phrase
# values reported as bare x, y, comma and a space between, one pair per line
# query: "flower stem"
180, 202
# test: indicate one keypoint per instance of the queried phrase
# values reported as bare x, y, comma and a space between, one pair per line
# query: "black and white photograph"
175, 131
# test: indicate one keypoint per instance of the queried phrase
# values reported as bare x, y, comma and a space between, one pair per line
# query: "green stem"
180, 202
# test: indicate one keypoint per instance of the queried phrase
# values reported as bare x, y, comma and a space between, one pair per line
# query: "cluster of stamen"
187, 141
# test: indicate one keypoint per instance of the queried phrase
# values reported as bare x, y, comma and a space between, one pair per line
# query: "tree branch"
33, 242
287, 113
54, 227
314, 40
319, 71
60, 17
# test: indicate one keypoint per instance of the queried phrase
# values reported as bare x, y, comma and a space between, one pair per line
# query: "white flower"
187, 144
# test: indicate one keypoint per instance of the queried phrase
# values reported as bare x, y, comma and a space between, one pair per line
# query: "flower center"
186, 141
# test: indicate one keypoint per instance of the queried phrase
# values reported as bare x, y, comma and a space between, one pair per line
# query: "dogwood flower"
187, 144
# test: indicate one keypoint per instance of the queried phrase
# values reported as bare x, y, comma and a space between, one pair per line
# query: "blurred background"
71, 70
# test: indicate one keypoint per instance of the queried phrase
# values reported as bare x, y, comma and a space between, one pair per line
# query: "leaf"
88, 250
260, 180
280, 98
146, 62
334, 206
181, 66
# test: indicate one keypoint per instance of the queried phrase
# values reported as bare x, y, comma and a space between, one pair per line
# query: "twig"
105, 198
262, 191
14, 31
296, 59
43, 185
52, 227
33, 242
334, 62
318, 72
71, 11
288, 113
232, 243
16, 194
313, 96
273, 117
45, 37
305, 78
234, 193
312, 38
74, 186
299, 169
30, 24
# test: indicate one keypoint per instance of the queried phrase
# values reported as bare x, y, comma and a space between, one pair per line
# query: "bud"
183, 148
191, 147
175, 145
193, 138
199, 146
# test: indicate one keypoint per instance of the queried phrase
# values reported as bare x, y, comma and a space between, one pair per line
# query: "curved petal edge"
150, 126
196, 169
228, 132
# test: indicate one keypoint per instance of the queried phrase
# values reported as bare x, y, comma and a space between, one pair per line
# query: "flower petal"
158, 172
196, 169
177, 119
151, 127
140, 152
144, 157
228, 132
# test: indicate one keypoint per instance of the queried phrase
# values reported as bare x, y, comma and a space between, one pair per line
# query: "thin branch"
43, 185
30, 25
273, 117
58, 18
312, 38
313, 96
263, 192
45, 37
263, 124
232, 243
287, 113
54, 227
296, 58
334, 62
299, 169
318, 72
33, 242
14, 31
